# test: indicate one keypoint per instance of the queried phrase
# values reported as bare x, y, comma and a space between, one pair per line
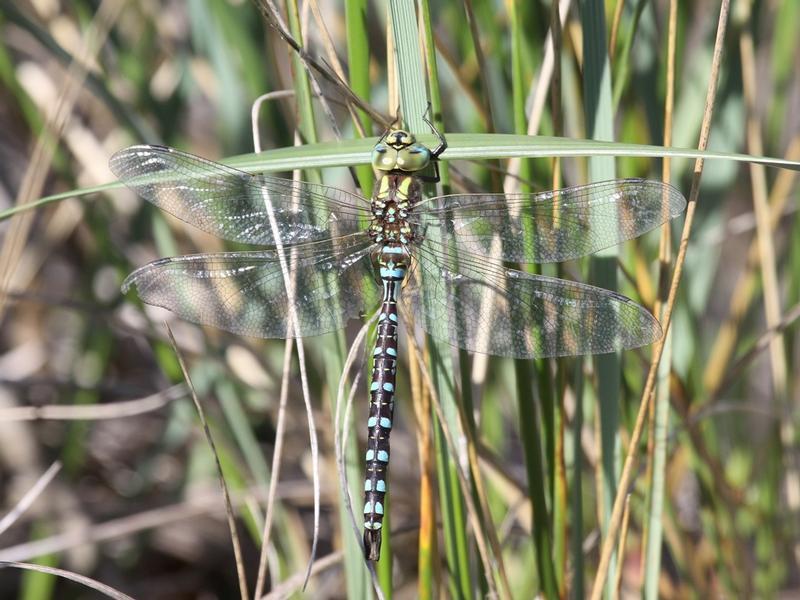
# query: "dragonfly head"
399, 150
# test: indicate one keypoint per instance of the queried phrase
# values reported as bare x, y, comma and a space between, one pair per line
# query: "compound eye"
382, 159
415, 158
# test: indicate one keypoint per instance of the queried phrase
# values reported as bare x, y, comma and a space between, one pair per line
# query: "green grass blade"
623, 62
36, 585
599, 125
413, 100
358, 69
410, 74
429, 563
576, 487
470, 146
242, 430
537, 434
413, 103
533, 446
657, 485
460, 146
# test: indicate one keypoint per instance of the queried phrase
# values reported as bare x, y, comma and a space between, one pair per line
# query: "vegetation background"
90, 383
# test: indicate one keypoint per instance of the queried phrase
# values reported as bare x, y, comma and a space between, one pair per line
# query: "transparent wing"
481, 306
245, 293
555, 225
230, 204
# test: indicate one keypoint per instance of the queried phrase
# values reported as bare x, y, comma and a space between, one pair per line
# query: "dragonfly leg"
442, 145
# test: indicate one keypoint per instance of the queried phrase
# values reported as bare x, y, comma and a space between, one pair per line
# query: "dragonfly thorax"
394, 198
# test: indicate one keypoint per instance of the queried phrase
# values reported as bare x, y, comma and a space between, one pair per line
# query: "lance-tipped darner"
442, 257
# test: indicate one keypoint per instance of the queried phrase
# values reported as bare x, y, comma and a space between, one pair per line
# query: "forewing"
245, 292
230, 204
481, 306
555, 225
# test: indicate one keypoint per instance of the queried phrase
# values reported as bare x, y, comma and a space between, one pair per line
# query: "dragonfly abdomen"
392, 264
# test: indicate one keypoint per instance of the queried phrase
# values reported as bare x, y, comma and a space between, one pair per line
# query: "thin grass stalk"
289, 285
427, 560
42, 155
360, 575
480, 58
548, 392
479, 492
307, 128
464, 83
94, 412
280, 429
769, 275
76, 577
598, 108
206, 503
393, 93
306, 123
538, 434
294, 584
615, 22
576, 489
623, 537
525, 371
652, 533
24, 503
280, 424
237, 549
342, 426
468, 427
749, 355
464, 482
35, 584
561, 509
745, 286
450, 502
480, 495
627, 471
429, 564
432, 72
333, 59
548, 80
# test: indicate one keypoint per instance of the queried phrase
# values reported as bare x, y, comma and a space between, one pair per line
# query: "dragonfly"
444, 259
